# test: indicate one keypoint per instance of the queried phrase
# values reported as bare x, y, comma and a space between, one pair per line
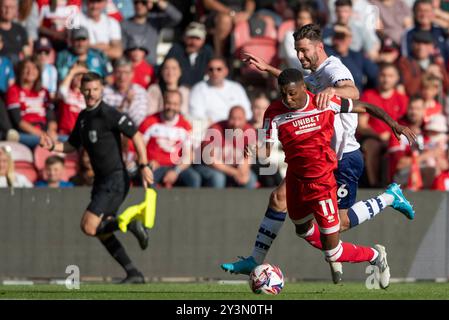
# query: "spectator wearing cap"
225, 14
170, 74
104, 32
395, 17
362, 69
364, 39
126, 96
15, 37
143, 71
43, 49
423, 60
374, 133
79, 52
145, 29
423, 14
211, 100
193, 54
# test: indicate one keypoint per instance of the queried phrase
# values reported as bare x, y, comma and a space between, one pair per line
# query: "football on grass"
267, 279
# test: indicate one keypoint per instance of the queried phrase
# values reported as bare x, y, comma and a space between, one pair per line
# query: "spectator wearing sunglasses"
211, 100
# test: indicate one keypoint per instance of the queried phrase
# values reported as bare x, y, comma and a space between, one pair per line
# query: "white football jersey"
331, 71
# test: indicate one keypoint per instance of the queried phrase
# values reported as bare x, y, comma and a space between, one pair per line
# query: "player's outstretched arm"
48, 143
145, 170
379, 113
260, 64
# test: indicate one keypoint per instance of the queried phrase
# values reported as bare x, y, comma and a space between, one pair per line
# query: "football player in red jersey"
305, 133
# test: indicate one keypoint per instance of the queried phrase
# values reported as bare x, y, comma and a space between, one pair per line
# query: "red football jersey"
165, 139
71, 104
33, 104
305, 135
144, 74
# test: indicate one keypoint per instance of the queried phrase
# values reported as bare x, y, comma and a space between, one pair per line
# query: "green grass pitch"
217, 291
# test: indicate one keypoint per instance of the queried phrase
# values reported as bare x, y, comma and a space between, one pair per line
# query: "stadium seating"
285, 27
23, 159
263, 42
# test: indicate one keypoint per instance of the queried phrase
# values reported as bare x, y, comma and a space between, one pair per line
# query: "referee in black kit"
98, 130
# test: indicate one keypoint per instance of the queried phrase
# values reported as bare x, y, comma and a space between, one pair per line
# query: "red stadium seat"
264, 46
20, 152
27, 169
285, 27
70, 162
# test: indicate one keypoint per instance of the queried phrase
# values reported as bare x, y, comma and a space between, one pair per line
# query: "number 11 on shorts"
325, 204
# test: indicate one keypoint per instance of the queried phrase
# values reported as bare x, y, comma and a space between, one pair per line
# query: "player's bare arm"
345, 89
145, 170
260, 64
48, 143
379, 113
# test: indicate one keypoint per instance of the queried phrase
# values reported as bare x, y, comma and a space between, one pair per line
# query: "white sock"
368, 209
268, 230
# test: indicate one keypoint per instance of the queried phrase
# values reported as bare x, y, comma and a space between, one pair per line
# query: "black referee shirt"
98, 131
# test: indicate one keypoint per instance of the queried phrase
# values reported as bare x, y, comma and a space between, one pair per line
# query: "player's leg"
99, 220
338, 251
103, 228
352, 214
268, 230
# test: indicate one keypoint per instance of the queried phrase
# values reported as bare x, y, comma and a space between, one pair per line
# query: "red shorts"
315, 199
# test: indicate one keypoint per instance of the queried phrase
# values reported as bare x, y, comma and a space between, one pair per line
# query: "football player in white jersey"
328, 77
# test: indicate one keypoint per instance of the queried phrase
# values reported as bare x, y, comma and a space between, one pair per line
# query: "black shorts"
108, 193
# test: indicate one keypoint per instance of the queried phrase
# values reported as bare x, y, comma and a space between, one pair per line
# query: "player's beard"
312, 62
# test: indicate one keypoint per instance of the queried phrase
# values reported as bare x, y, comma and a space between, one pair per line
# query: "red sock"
348, 252
313, 237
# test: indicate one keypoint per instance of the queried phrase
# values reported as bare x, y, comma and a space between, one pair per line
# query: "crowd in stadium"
396, 50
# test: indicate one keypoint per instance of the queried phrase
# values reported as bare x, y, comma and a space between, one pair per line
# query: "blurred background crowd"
175, 68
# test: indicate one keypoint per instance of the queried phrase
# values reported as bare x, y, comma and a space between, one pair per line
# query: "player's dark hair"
308, 31
51, 160
343, 3
290, 76
91, 76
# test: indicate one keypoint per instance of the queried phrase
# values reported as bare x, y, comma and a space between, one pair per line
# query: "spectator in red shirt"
143, 71
222, 153
29, 104
167, 135
71, 100
430, 151
375, 133
441, 182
